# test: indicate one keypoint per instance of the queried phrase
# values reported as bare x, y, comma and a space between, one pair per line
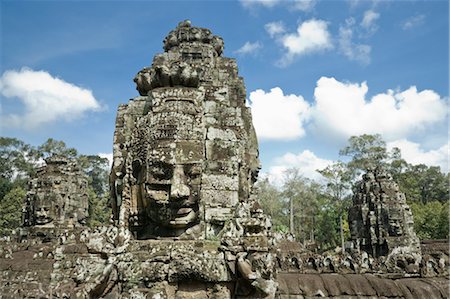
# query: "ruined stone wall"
292, 257
108, 262
361, 286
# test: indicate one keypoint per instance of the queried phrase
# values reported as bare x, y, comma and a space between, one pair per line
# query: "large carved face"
174, 160
43, 211
395, 222
172, 194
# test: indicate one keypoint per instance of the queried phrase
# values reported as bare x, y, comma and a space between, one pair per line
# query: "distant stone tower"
185, 151
57, 196
381, 222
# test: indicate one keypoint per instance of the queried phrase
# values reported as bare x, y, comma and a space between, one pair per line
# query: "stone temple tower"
57, 197
381, 222
185, 150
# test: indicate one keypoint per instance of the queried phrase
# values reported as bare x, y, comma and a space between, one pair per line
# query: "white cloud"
350, 49
249, 48
413, 154
278, 116
108, 156
304, 5
353, 3
368, 22
275, 28
413, 22
311, 36
254, 3
306, 162
46, 99
369, 18
300, 5
342, 109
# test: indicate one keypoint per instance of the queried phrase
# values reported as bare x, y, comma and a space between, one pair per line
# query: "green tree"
55, 147
11, 210
5, 186
292, 189
366, 152
338, 188
97, 170
443, 231
273, 204
301, 194
423, 183
99, 213
328, 225
16, 159
431, 220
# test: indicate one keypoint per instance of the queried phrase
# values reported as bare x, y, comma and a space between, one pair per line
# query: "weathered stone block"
224, 198
220, 182
220, 214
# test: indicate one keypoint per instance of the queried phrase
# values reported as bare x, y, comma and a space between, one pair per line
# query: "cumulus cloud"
274, 29
414, 154
46, 99
342, 109
413, 22
350, 49
249, 48
311, 36
278, 116
306, 162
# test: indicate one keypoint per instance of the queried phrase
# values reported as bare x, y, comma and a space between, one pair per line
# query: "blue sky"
316, 71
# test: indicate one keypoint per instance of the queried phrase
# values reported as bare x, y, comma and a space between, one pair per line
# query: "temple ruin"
381, 222
57, 197
186, 222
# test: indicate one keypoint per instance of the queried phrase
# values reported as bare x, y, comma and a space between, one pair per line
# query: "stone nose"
178, 186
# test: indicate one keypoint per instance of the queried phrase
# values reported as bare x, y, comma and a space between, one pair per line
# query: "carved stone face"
172, 194
395, 222
43, 212
171, 175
